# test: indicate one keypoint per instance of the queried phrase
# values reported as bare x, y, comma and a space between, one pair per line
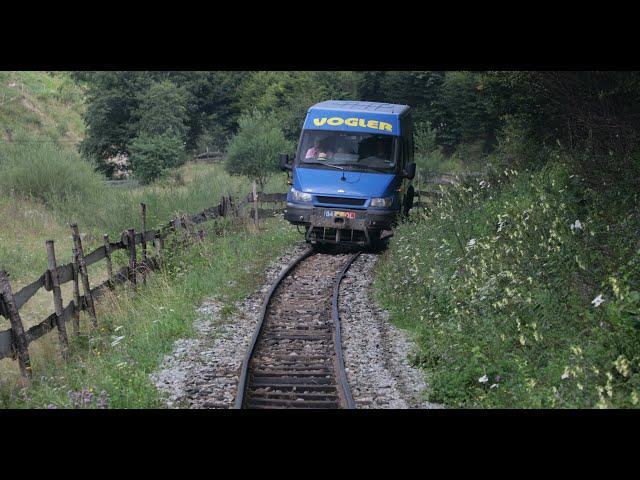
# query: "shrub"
254, 150
152, 155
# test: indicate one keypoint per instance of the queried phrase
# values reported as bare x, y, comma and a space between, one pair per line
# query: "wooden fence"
14, 342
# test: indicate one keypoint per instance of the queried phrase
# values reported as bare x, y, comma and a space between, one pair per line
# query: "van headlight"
382, 202
299, 196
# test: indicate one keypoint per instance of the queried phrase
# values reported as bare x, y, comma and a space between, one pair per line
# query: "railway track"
295, 359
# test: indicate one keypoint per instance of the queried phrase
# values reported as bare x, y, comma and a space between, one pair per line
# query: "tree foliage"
121, 105
597, 112
253, 152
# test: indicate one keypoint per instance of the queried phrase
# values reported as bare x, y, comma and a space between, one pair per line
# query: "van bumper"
366, 221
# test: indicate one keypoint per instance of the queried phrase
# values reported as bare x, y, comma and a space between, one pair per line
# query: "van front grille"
356, 202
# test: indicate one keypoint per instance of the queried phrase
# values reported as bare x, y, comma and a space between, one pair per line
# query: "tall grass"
46, 172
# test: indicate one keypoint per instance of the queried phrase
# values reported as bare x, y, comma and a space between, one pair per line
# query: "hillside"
40, 106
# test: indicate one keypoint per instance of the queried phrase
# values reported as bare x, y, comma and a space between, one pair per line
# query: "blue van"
351, 176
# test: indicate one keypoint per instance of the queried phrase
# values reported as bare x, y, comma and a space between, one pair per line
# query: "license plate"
332, 213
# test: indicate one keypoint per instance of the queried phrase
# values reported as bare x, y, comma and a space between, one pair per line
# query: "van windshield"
361, 151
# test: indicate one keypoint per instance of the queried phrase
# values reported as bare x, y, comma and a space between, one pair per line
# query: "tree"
112, 99
162, 109
159, 145
207, 103
254, 150
288, 95
152, 155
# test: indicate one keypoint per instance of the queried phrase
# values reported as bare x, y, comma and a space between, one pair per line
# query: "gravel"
203, 372
375, 352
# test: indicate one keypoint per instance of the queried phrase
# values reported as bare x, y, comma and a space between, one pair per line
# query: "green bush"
253, 151
502, 282
152, 155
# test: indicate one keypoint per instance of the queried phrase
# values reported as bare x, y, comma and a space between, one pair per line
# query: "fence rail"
14, 342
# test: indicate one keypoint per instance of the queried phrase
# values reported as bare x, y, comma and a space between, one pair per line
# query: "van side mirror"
284, 162
410, 171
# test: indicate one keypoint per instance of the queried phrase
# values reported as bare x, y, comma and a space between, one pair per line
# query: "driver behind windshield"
320, 150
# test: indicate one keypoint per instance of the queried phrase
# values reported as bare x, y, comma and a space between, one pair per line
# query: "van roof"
362, 107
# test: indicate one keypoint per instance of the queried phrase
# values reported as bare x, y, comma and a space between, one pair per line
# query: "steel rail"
242, 384
344, 390
337, 335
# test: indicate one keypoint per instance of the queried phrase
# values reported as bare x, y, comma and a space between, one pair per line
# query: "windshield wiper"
368, 167
326, 164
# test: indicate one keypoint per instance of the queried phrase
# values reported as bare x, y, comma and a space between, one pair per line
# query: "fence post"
82, 266
131, 235
107, 252
254, 193
17, 330
57, 299
160, 244
143, 208
76, 292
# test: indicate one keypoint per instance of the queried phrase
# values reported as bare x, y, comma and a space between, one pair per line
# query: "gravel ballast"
375, 352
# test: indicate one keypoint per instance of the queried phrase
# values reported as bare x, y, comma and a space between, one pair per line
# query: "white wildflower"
471, 242
483, 379
576, 226
597, 301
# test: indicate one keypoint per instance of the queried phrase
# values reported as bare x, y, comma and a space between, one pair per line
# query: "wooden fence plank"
49, 323
76, 290
6, 344
65, 273
143, 243
95, 256
107, 252
77, 241
132, 256
272, 197
20, 343
29, 291
57, 300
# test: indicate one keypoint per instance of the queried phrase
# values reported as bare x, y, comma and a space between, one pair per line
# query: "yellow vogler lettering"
353, 122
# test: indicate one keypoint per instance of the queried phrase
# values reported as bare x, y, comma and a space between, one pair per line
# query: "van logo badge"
353, 122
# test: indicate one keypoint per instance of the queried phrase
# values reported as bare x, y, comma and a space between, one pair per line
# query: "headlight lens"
299, 196
382, 202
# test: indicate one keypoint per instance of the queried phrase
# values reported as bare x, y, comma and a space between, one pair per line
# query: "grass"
39, 107
136, 331
500, 291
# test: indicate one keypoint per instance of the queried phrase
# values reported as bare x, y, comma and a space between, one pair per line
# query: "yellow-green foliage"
523, 291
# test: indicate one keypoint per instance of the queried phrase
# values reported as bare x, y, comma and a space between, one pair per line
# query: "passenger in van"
313, 151
319, 151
